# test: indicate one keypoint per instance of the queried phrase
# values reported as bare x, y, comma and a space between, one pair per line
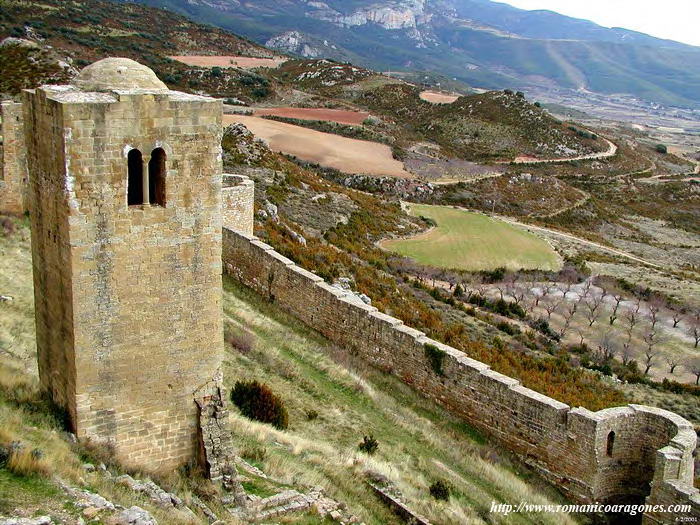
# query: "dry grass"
418, 442
28, 463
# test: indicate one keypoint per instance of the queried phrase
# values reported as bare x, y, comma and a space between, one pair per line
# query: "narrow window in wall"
611, 444
135, 181
156, 177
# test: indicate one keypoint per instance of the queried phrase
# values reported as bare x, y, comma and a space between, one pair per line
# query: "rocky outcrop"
297, 43
396, 15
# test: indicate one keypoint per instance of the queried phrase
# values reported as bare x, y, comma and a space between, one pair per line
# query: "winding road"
610, 152
581, 241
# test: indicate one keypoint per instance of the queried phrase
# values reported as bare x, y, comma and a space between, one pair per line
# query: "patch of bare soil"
435, 97
333, 151
229, 61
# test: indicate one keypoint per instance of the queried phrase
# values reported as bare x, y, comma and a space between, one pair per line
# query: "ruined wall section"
13, 174
238, 203
567, 446
128, 298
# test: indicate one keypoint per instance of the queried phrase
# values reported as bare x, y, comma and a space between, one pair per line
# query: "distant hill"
484, 43
51, 41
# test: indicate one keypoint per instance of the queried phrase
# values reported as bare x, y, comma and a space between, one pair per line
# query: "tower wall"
128, 298
238, 203
13, 165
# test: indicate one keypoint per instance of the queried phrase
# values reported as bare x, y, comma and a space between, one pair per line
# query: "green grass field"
470, 241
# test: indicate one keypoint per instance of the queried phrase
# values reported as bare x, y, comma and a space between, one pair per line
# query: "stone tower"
13, 165
125, 205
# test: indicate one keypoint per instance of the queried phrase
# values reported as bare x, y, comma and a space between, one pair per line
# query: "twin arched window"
149, 189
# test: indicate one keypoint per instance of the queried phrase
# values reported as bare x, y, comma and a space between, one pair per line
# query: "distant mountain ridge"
484, 43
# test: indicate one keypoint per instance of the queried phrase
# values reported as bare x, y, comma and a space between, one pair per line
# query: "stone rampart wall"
569, 447
238, 202
13, 163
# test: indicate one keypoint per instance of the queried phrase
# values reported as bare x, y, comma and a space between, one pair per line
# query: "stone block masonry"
125, 209
238, 203
13, 162
625, 454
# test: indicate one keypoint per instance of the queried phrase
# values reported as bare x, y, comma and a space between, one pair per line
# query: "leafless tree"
672, 364
550, 307
569, 313
677, 316
607, 349
632, 315
519, 294
694, 368
649, 357
570, 276
547, 289
651, 338
586, 290
656, 303
626, 352
593, 309
613, 315
694, 329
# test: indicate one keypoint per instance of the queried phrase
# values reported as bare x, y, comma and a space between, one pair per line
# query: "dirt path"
581, 241
610, 152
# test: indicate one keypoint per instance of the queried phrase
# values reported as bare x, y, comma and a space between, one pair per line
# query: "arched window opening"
611, 444
135, 180
156, 177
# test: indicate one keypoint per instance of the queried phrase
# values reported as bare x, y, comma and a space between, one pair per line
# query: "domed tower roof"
117, 73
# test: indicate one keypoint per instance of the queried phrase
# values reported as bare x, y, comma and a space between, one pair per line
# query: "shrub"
7, 226
241, 340
508, 328
440, 490
216, 72
311, 415
538, 104
542, 326
24, 462
254, 453
436, 358
661, 148
257, 402
369, 445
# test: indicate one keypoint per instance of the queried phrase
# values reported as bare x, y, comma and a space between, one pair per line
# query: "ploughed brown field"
354, 118
332, 151
229, 61
438, 98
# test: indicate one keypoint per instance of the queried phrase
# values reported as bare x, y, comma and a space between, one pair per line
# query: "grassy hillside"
82, 31
472, 241
332, 403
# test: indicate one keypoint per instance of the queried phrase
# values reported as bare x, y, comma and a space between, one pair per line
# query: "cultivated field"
472, 241
332, 151
353, 118
436, 97
229, 61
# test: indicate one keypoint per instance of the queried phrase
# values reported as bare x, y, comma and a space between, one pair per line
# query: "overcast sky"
674, 19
